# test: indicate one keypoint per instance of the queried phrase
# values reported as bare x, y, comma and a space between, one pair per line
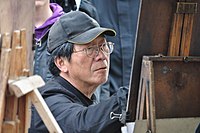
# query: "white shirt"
78, 2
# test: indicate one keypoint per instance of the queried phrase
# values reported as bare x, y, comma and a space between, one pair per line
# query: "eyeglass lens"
106, 48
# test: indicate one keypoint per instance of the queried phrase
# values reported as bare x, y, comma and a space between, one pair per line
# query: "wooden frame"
28, 86
18, 88
16, 28
165, 28
169, 86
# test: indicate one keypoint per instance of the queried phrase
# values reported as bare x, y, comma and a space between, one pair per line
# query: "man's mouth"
102, 68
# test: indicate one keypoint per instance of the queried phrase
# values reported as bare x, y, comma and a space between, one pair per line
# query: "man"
46, 15
80, 62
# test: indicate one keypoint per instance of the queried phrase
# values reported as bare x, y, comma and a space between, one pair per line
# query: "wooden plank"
141, 98
28, 114
16, 64
21, 114
22, 100
10, 115
9, 127
4, 72
44, 112
147, 106
151, 96
175, 36
142, 91
194, 46
25, 64
181, 34
25, 85
187, 35
25, 110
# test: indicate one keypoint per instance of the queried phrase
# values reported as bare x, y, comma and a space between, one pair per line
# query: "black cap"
75, 27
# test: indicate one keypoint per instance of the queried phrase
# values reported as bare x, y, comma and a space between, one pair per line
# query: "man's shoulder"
50, 86
54, 87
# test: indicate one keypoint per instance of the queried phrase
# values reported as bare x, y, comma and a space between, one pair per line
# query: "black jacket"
75, 113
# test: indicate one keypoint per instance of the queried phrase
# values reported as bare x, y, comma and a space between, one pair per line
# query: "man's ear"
61, 63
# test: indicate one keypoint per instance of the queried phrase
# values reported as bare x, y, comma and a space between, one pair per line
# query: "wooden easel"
14, 65
163, 27
169, 92
4, 73
179, 46
28, 87
16, 60
181, 34
18, 88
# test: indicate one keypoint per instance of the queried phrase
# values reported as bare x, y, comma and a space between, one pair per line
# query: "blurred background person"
46, 15
78, 5
122, 16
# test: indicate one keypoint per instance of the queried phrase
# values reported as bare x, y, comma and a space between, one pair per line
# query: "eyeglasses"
93, 51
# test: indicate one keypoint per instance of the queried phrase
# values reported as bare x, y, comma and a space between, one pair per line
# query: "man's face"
86, 70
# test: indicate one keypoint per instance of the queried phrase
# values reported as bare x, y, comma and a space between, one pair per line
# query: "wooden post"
4, 72
25, 101
24, 45
187, 35
175, 37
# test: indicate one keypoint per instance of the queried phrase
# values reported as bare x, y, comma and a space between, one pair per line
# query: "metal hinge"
186, 7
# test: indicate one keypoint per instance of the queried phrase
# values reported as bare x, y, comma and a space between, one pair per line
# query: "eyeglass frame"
97, 49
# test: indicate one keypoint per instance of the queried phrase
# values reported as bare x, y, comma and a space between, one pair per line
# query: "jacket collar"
85, 100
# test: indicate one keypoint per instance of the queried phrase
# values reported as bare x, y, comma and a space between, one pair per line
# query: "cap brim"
90, 35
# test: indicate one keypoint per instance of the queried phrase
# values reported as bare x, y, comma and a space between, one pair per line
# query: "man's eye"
104, 45
90, 48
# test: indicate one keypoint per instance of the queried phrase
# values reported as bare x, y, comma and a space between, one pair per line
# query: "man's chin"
103, 80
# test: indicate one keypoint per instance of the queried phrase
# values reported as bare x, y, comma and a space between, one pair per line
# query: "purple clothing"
42, 30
